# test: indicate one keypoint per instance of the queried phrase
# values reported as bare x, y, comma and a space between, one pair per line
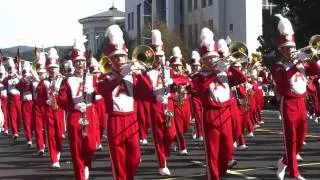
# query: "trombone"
314, 47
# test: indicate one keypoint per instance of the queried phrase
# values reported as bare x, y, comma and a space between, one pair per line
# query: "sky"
47, 22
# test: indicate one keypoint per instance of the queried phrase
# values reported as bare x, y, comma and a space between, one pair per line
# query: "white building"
239, 19
94, 27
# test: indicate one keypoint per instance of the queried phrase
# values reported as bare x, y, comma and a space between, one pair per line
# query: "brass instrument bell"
104, 64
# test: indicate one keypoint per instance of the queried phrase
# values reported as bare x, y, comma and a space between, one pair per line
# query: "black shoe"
232, 163
41, 153
15, 137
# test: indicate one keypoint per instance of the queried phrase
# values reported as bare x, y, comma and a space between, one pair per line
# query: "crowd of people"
221, 89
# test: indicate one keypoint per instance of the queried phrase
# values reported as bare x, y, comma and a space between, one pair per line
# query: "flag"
17, 60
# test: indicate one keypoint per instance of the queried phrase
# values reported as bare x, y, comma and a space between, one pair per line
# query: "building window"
196, 36
195, 4
132, 21
190, 35
231, 28
210, 24
189, 5
204, 3
210, 2
129, 21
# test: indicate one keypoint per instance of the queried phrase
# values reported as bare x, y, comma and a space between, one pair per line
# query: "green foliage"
304, 16
170, 39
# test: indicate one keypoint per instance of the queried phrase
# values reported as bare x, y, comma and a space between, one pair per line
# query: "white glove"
168, 81
162, 99
248, 86
88, 89
82, 107
125, 69
221, 66
302, 56
49, 102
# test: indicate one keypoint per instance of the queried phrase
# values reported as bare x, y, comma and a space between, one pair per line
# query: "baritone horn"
142, 57
104, 64
238, 52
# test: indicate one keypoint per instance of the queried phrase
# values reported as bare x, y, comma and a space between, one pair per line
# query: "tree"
304, 17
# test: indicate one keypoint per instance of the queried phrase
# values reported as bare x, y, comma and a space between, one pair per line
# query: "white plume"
42, 59
68, 64
78, 44
206, 37
284, 26
115, 35
195, 55
53, 54
176, 51
2, 69
223, 47
26, 66
11, 62
94, 62
156, 37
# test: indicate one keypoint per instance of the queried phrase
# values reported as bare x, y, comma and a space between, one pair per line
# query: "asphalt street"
17, 161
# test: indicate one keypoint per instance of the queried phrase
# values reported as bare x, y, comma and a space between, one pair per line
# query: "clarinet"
167, 112
84, 120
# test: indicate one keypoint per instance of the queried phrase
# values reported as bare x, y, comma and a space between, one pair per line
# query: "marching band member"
14, 103
119, 93
76, 97
143, 114
53, 113
99, 103
262, 81
25, 87
68, 68
195, 63
214, 89
182, 111
39, 102
290, 77
161, 81
4, 100
223, 51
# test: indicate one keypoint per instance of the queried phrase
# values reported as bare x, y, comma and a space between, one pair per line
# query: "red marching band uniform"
290, 78
14, 102
119, 90
215, 92
4, 100
195, 99
25, 87
82, 138
182, 109
39, 103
